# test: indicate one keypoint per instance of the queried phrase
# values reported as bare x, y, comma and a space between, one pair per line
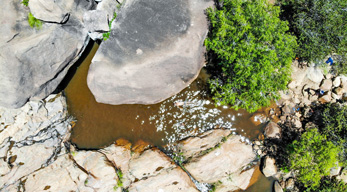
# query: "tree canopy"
320, 27
253, 50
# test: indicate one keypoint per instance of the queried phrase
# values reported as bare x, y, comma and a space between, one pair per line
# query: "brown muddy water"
98, 124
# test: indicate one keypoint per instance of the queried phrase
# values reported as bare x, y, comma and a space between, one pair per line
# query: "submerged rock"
33, 61
154, 51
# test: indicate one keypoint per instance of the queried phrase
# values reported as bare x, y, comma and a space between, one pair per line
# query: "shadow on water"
72, 71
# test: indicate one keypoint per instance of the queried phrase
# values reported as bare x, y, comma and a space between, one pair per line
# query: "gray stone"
314, 74
154, 51
36, 133
269, 168
96, 21
34, 61
51, 10
272, 130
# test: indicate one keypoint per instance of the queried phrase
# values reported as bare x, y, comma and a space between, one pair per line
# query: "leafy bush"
254, 53
33, 22
332, 185
312, 157
320, 26
25, 2
334, 122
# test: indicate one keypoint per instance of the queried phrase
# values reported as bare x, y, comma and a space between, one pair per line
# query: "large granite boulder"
31, 137
154, 51
33, 61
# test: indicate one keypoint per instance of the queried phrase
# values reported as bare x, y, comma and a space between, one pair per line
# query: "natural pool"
99, 125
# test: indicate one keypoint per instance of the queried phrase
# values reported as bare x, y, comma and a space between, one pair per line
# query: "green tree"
254, 53
320, 27
312, 157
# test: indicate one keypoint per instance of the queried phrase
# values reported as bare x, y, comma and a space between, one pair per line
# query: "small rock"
338, 90
326, 85
297, 123
335, 96
337, 82
335, 171
256, 147
96, 21
343, 176
343, 81
292, 85
325, 99
269, 167
285, 95
51, 11
314, 74
277, 187
328, 76
258, 119
344, 97
290, 184
272, 130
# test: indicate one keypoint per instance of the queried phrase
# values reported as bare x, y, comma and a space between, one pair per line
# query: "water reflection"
188, 113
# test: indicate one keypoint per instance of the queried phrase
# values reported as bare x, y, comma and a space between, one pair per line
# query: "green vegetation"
253, 51
25, 2
312, 157
334, 122
332, 185
120, 180
33, 22
320, 26
107, 35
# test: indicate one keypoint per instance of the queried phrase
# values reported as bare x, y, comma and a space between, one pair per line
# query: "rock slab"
34, 61
154, 51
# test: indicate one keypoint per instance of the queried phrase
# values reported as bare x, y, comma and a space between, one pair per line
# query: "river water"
98, 125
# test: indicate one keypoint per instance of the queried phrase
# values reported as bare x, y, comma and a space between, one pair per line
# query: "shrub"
25, 2
332, 185
254, 53
312, 157
320, 27
33, 22
333, 124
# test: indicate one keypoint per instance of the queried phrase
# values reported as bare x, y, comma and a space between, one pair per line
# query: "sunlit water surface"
98, 124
